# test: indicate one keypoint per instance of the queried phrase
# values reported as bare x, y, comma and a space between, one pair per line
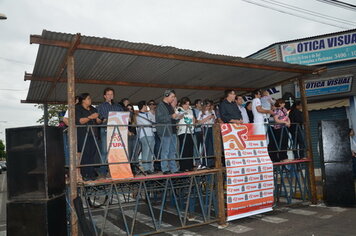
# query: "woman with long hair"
86, 114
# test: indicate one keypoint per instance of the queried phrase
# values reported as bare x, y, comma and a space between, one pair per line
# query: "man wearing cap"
166, 118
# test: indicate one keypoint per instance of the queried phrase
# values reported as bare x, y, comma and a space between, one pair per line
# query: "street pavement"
3, 199
298, 219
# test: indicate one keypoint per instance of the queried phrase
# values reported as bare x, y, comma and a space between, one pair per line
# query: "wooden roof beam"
136, 84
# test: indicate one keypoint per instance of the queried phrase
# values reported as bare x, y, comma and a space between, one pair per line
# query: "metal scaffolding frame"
195, 193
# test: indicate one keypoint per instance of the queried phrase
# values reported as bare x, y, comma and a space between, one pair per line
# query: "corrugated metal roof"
106, 66
270, 54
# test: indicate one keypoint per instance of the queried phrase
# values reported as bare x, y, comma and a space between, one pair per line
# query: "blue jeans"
147, 144
157, 164
169, 151
209, 146
103, 150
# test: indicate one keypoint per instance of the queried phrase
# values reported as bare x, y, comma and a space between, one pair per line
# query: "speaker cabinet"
35, 162
335, 153
37, 217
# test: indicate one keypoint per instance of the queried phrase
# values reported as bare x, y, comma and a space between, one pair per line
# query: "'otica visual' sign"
331, 85
321, 50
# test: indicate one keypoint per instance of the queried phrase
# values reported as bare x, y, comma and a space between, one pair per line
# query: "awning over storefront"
329, 104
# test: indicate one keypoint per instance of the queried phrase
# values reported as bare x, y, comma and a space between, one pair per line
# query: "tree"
55, 113
2, 150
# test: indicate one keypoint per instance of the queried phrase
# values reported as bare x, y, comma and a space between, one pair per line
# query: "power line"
317, 14
292, 14
341, 4
15, 61
12, 89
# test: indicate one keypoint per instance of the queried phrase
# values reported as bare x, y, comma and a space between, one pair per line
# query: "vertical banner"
249, 170
116, 145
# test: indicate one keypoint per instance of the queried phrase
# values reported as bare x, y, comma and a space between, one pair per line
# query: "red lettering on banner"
267, 184
268, 176
253, 178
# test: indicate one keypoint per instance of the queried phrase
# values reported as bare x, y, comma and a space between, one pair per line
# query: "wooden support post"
45, 114
72, 137
218, 165
308, 140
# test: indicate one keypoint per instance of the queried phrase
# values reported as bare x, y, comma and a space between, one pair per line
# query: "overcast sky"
230, 27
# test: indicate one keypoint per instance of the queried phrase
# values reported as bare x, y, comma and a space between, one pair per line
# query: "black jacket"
229, 111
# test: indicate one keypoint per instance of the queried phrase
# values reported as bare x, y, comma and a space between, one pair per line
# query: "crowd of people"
179, 133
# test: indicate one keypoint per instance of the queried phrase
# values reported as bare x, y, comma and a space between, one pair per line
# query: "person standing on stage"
185, 134
240, 101
259, 114
166, 117
103, 110
296, 129
146, 136
86, 114
229, 111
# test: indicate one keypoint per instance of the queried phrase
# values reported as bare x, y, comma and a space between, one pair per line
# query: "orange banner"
249, 170
117, 143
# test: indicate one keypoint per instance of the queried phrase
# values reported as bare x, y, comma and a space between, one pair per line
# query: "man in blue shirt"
103, 110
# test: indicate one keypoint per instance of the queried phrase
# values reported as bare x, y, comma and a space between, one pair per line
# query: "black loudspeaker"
35, 162
336, 159
37, 217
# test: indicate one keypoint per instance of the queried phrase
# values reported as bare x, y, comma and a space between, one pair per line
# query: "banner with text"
249, 170
331, 85
321, 50
117, 143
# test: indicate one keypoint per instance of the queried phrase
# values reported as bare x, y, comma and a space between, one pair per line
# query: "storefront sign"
321, 50
249, 170
331, 85
117, 143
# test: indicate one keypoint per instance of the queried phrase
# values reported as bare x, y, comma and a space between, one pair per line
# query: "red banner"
249, 170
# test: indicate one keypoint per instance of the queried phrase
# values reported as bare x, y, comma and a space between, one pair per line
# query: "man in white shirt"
240, 101
257, 110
